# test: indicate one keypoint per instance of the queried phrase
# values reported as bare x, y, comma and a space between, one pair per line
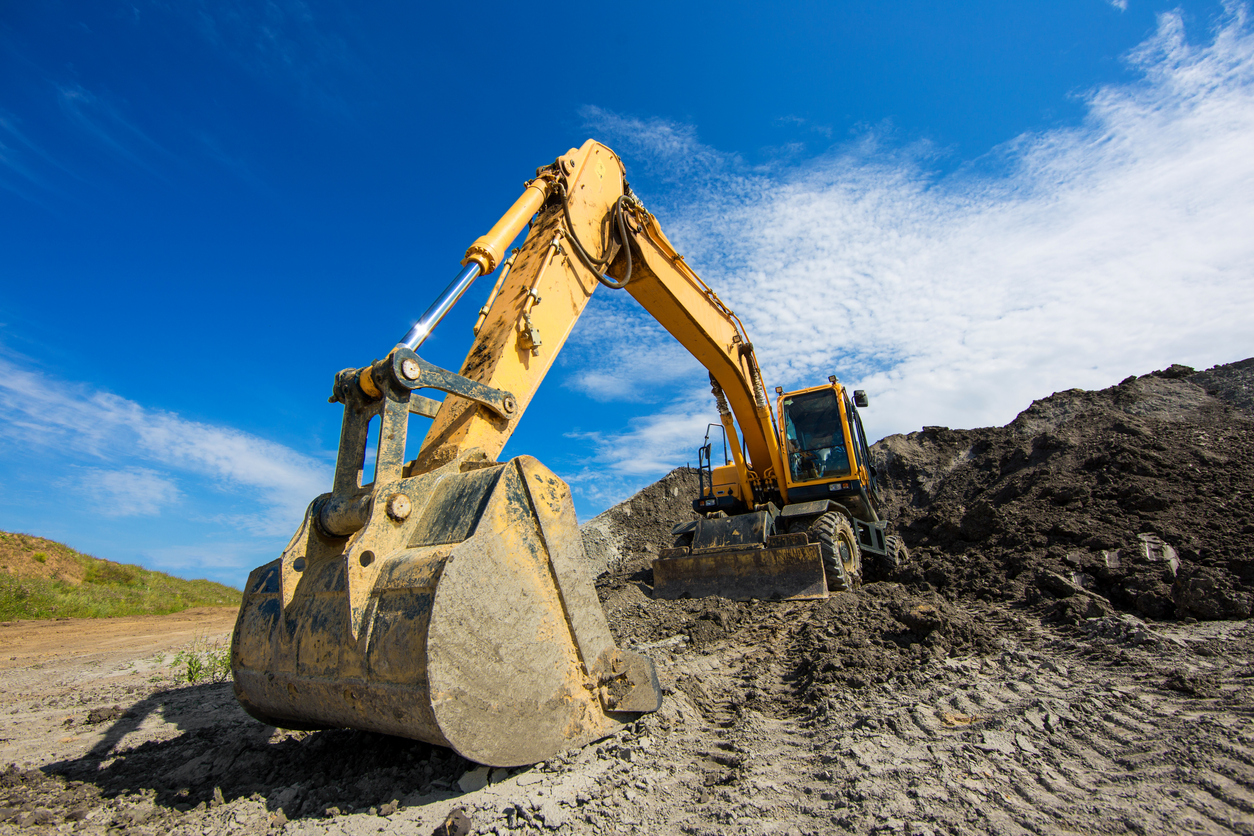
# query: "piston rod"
481, 258
426, 324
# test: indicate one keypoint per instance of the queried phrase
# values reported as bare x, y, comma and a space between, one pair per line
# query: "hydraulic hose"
596, 265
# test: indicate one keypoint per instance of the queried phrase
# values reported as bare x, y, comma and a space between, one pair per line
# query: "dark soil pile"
1139, 497
641, 525
886, 631
818, 648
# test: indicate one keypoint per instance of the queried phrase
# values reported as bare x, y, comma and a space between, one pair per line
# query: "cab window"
813, 436
865, 450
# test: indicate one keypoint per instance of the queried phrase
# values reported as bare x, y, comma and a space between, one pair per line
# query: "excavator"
794, 531
448, 598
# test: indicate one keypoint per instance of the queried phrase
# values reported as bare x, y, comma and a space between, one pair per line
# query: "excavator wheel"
882, 567
842, 559
898, 554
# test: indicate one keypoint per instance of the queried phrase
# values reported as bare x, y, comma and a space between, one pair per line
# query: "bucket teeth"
627, 682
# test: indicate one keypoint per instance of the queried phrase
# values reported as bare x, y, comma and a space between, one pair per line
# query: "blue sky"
209, 208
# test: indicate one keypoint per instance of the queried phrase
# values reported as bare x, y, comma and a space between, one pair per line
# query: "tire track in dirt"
1069, 752
1048, 735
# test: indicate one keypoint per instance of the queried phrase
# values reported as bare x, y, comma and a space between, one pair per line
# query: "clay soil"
1068, 651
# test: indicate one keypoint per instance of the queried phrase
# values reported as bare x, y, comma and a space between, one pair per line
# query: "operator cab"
814, 436
824, 447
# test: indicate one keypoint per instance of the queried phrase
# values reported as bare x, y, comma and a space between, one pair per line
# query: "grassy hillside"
44, 579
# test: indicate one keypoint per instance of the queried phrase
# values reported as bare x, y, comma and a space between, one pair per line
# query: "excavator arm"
449, 599
590, 231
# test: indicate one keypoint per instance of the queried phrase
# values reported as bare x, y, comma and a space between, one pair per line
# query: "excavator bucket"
461, 613
449, 599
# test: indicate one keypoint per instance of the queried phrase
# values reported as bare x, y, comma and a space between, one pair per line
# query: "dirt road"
27, 643
51, 667
1053, 729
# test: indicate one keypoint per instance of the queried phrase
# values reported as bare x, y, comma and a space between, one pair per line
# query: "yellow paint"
497, 357
592, 179
487, 249
366, 381
857, 471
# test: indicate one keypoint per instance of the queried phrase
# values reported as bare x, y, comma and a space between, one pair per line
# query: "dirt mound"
639, 526
1136, 498
1139, 497
886, 631
27, 556
1233, 383
847, 641
824, 647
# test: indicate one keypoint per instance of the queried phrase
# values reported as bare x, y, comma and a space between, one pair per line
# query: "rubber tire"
898, 554
842, 559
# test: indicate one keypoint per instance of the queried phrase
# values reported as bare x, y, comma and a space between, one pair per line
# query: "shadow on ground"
221, 755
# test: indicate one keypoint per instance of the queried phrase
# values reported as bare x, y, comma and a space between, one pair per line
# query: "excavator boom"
449, 598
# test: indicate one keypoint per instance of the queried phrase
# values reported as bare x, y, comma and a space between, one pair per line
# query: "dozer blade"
471, 623
781, 572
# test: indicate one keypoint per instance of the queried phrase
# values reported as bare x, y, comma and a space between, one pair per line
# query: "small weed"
203, 660
39, 557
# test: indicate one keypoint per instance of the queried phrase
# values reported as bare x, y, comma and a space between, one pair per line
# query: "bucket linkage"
454, 606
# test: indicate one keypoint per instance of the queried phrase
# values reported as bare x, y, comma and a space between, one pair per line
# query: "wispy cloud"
121, 442
104, 122
215, 559
653, 445
281, 41
21, 160
128, 492
629, 374
1068, 257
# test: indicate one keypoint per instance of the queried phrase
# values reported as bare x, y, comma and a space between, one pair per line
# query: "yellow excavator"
449, 598
797, 529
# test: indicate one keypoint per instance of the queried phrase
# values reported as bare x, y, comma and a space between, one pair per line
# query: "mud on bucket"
470, 623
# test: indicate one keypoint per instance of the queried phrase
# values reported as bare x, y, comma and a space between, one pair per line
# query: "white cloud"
129, 492
105, 124
21, 160
605, 362
623, 463
214, 559
284, 42
1121, 5
37, 410
1068, 257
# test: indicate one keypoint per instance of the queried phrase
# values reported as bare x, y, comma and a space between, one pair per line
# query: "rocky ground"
1069, 651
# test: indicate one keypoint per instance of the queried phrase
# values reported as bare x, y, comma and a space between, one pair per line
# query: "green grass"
108, 589
204, 660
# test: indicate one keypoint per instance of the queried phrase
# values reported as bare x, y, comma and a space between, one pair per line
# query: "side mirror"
859, 398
